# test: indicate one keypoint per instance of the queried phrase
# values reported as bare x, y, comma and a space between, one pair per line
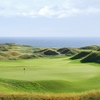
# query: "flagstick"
24, 70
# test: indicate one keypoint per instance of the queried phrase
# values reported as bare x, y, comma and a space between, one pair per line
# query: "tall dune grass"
92, 95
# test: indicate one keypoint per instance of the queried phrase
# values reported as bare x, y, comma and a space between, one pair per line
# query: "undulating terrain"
47, 72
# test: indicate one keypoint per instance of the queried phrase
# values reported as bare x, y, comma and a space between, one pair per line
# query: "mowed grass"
48, 75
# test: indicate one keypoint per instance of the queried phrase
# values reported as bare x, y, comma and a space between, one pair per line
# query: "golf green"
52, 74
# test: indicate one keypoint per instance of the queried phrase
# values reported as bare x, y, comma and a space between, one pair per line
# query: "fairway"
50, 74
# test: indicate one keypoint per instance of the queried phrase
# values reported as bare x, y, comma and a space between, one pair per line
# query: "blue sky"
49, 18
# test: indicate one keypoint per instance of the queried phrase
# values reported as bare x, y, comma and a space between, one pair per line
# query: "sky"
49, 18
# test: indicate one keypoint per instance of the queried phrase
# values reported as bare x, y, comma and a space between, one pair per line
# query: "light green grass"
50, 74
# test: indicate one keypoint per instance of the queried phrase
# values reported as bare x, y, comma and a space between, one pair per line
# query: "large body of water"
52, 42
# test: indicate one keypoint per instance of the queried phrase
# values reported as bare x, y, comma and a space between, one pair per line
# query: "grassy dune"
93, 57
81, 55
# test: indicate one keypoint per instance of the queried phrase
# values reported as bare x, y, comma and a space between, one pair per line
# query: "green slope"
50, 74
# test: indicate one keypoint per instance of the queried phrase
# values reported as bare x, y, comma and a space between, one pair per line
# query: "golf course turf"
29, 73
48, 75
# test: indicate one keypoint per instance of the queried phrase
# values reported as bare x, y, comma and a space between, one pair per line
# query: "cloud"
48, 8
46, 11
93, 10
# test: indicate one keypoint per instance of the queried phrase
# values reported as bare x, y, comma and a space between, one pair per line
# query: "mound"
16, 85
14, 51
72, 52
67, 51
4, 54
2, 57
3, 48
93, 47
40, 51
27, 56
92, 57
51, 52
63, 50
56, 86
81, 54
98, 49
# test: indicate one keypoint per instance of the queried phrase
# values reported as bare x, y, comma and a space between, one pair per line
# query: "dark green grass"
92, 47
81, 55
92, 57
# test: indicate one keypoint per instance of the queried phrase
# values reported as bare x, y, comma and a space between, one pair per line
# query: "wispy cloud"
58, 9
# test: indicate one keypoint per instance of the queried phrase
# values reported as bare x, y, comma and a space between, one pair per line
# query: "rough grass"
93, 57
68, 51
92, 47
20, 86
13, 51
92, 95
81, 55
51, 52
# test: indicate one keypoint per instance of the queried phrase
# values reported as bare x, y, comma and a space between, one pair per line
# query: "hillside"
81, 54
27, 71
92, 47
12, 51
88, 54
92, 57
